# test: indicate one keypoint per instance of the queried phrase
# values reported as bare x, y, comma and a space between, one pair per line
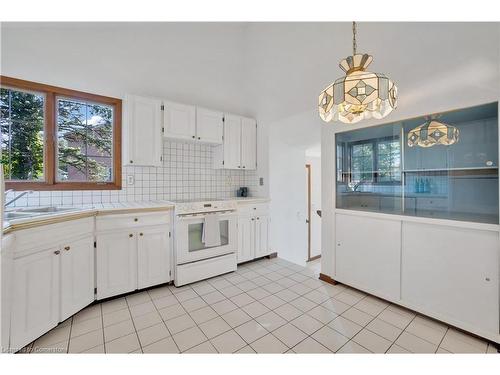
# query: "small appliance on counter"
242, 192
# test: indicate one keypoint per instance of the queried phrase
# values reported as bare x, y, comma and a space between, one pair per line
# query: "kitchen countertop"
72, 212
251, 200
83, 211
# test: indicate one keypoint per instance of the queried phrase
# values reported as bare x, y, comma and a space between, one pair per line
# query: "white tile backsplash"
186, 173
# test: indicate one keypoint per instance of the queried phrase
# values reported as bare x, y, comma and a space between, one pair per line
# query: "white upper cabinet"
209, 126
179, 121
239, 149
232, 144
248, 143
143, 131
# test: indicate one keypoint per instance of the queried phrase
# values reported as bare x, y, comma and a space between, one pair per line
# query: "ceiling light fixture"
432, 133
359, 94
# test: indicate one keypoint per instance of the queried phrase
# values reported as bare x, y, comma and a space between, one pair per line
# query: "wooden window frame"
50, 145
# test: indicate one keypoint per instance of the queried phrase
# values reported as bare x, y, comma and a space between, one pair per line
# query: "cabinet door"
452, 272
209, 126
35, 296
143, 131
246, 239
261, 236
232, 141
179, 121
370, 261
77, 276
153, 256
116, 263
248, 143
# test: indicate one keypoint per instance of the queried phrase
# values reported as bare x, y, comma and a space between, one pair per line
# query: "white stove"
206, 239
197, 207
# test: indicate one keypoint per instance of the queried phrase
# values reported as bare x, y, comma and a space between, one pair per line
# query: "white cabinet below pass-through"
246, 239
367, 254
452, 272
179, 121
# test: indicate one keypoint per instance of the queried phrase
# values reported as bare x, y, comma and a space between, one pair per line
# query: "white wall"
288, 141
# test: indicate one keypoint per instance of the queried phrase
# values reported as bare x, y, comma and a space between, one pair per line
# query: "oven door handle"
222, 213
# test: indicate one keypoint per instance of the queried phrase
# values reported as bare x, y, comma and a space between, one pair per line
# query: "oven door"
189, 244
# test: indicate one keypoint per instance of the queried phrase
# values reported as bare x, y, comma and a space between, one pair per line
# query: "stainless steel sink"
27, 212
17, 215
48, 209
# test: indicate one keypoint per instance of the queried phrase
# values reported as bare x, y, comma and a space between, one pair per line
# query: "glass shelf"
377, 171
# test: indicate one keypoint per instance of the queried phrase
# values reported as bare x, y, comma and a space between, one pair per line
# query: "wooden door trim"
308, 169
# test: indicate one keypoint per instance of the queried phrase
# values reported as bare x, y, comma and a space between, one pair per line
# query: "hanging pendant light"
359, 94
432, 133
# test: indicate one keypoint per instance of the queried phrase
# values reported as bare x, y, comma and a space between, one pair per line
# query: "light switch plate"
130, 179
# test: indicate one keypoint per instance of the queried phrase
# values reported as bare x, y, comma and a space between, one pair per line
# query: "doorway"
313, 217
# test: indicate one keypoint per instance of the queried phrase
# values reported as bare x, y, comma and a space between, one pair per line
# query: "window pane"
389, 161
362, 162
85, 141
22, 133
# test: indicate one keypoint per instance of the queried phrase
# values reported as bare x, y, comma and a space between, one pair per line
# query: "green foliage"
84, 134
23, 157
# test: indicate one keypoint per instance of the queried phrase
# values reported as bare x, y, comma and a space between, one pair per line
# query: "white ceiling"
268, 70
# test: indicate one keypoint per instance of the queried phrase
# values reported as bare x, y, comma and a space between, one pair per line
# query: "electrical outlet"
229, 181
130, 179
261, 181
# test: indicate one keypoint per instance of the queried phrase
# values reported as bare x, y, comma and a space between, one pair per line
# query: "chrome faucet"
17, 197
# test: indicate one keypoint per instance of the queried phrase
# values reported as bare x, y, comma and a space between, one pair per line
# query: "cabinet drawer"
256, 208
132, 221
31, 240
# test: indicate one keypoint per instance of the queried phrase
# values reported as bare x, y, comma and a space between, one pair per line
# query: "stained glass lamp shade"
433, 133
359, 94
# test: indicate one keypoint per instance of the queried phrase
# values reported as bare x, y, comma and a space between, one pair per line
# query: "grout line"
442, 338
102, 322
132, 319
69, 337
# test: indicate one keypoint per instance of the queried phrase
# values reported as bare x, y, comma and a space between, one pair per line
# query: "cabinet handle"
243, 167
199, 137
131, 162
258, 218
253, 219
136, 219
57, 252
131, 235
140, 234
67, 248
194, 137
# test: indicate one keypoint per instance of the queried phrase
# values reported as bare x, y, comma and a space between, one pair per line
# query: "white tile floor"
267, 306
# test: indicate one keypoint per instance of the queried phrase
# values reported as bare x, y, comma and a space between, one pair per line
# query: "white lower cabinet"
50, 286
253, 232
35, 308
246, 238
261, 236
452, 272
77, 276
153, 257
133, 252
116, 263
368, 253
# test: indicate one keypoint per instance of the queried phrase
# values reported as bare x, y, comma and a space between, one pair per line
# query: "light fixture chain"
354, 44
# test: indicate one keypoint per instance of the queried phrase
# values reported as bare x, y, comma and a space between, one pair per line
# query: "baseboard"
314, 258
327, 279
